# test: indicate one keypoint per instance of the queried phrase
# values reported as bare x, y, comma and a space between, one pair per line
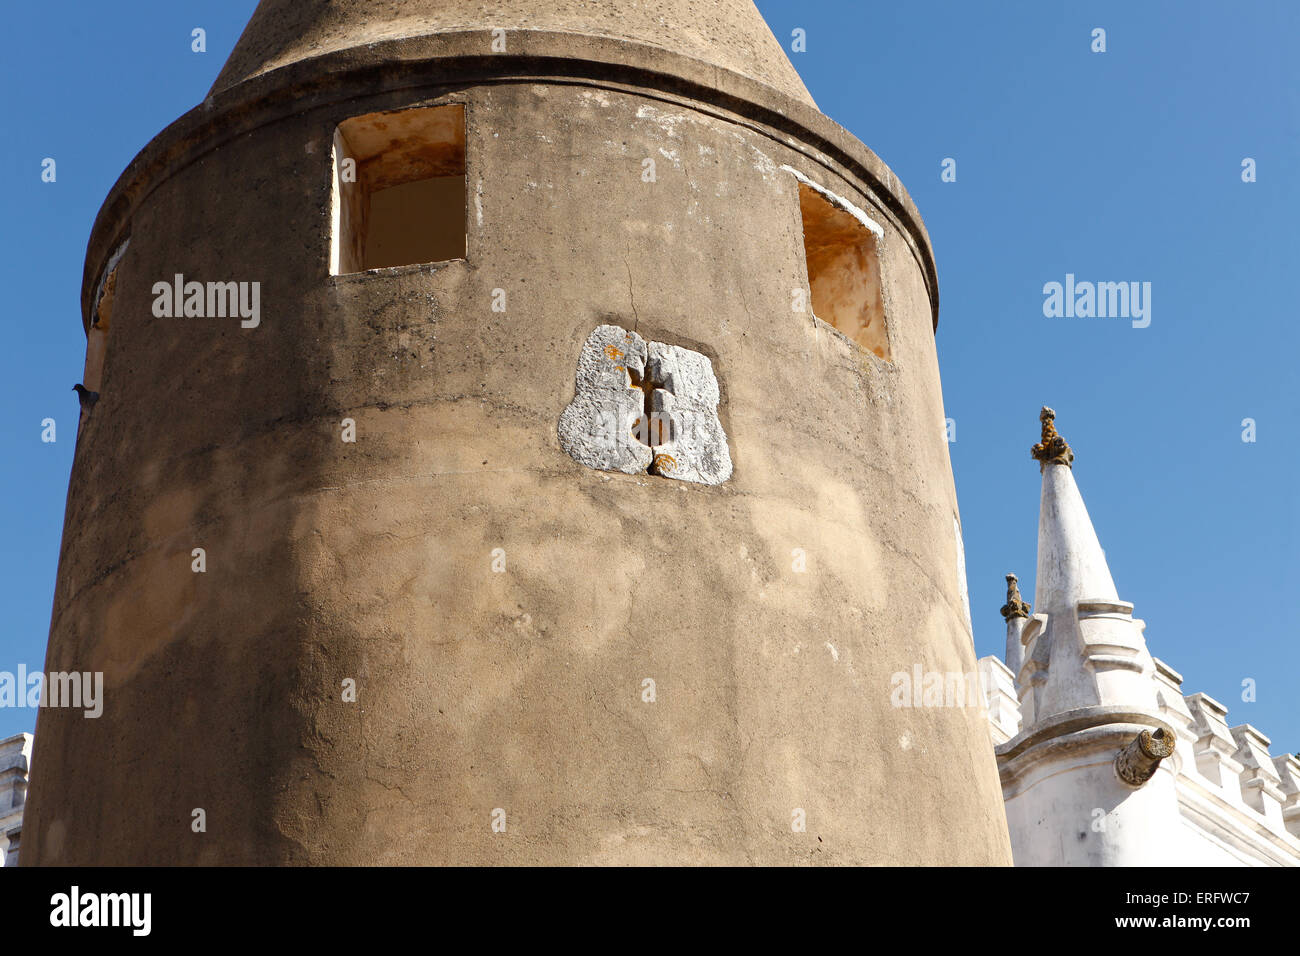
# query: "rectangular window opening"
843, 271
399, 189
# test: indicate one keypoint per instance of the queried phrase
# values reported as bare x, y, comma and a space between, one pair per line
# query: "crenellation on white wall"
1215, 749
1288, 771
999, 686
1261, 786
1173, 708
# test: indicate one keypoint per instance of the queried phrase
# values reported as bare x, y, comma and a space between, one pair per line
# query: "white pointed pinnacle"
1071, 564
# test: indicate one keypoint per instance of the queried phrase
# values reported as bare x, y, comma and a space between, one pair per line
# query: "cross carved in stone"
651, 428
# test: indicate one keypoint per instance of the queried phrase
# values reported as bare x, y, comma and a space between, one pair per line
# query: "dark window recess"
399, 189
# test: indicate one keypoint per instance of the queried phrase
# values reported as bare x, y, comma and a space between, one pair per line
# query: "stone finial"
1137, 763
1052, 450
1014, 606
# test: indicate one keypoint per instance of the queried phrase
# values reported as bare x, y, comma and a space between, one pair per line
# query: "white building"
1103, 761
15, 760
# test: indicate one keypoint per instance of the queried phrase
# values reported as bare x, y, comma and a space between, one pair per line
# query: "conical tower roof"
1071, 565
730, 34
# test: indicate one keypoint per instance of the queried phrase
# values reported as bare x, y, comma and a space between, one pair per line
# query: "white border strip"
839, 201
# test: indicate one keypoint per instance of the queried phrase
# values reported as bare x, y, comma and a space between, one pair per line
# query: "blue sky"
1115, 166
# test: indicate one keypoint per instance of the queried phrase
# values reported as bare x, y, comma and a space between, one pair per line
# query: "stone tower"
519, 440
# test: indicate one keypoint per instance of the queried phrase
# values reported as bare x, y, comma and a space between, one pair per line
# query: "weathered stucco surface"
522, 688
729, 34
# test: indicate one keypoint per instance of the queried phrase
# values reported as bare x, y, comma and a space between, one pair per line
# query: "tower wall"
519, 689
